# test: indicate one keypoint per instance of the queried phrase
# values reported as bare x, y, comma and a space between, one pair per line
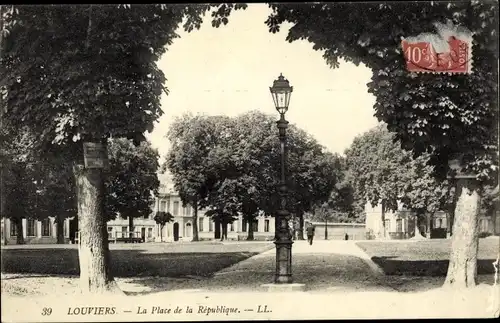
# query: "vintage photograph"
260, 161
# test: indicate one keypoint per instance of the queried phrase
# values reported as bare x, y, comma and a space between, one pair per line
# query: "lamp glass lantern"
281, 92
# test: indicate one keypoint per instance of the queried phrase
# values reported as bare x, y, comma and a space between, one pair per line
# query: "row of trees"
448, 116
105, 82
230, 166
39, 189
387, 175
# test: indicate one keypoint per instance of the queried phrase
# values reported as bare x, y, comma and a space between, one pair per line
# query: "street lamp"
281, 92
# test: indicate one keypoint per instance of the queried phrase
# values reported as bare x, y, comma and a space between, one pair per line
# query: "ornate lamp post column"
281, 92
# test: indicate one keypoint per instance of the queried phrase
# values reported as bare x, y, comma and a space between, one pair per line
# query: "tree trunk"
326, 229
131, 232
381, 234
462, 269
60, 230
223, 231
161, 232
217, 233
19, 229
195, 221
300, 235
428, 225
93, 249
250, 229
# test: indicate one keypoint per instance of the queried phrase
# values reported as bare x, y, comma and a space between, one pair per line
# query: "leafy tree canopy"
441, 114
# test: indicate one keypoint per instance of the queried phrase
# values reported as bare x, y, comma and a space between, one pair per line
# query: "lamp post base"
283, 274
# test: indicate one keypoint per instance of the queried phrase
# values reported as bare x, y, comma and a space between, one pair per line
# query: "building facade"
146, 229
34, 231
181, 228
401, 224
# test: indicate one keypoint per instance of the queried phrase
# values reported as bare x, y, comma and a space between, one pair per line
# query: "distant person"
310, 233
346, 237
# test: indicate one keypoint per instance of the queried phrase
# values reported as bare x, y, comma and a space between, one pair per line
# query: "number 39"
46, 311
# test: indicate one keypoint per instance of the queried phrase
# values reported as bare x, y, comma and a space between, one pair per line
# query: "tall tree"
424, 194
58, 193
190, 158
132, 181
104, 82
426, 111
376, 164
162, 218
20, 180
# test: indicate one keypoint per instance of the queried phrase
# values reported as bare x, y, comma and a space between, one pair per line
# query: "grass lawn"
133, 260
425, 258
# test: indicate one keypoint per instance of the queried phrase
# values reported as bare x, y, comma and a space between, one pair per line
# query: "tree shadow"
392, 265
124, 263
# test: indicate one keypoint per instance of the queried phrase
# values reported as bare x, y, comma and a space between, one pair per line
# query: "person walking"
310, 233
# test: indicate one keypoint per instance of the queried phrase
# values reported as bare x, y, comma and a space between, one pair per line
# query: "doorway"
176, 231
143, 234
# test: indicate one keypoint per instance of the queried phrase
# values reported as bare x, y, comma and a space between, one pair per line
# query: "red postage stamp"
448, 51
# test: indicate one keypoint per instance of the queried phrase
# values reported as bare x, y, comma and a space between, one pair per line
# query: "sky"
228, 70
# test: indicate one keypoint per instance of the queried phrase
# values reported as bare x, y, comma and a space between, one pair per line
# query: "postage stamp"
447, 51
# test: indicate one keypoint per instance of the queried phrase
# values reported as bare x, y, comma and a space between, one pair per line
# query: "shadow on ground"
321, 273
155, 261
394, 266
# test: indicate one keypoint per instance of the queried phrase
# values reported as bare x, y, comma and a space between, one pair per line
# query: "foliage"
132, 182
425, 194
428, 112
163, 218
189, 160
382, 171
490, 203
21, 177
232, 165
95, 73
376, 166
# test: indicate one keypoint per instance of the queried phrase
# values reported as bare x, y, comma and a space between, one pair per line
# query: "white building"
146, 229
181, 228
401, 224
34, 231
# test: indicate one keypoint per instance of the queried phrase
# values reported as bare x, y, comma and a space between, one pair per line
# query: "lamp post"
281, 92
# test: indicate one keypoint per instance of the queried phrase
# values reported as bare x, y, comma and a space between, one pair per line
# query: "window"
176, 208
266, 225
231, 228
124, 232
200, 224
399, 225
244, 226
255, 226
163, 205
188, 210
46, 227
210, 225
150, 232
13, 229
30, 230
